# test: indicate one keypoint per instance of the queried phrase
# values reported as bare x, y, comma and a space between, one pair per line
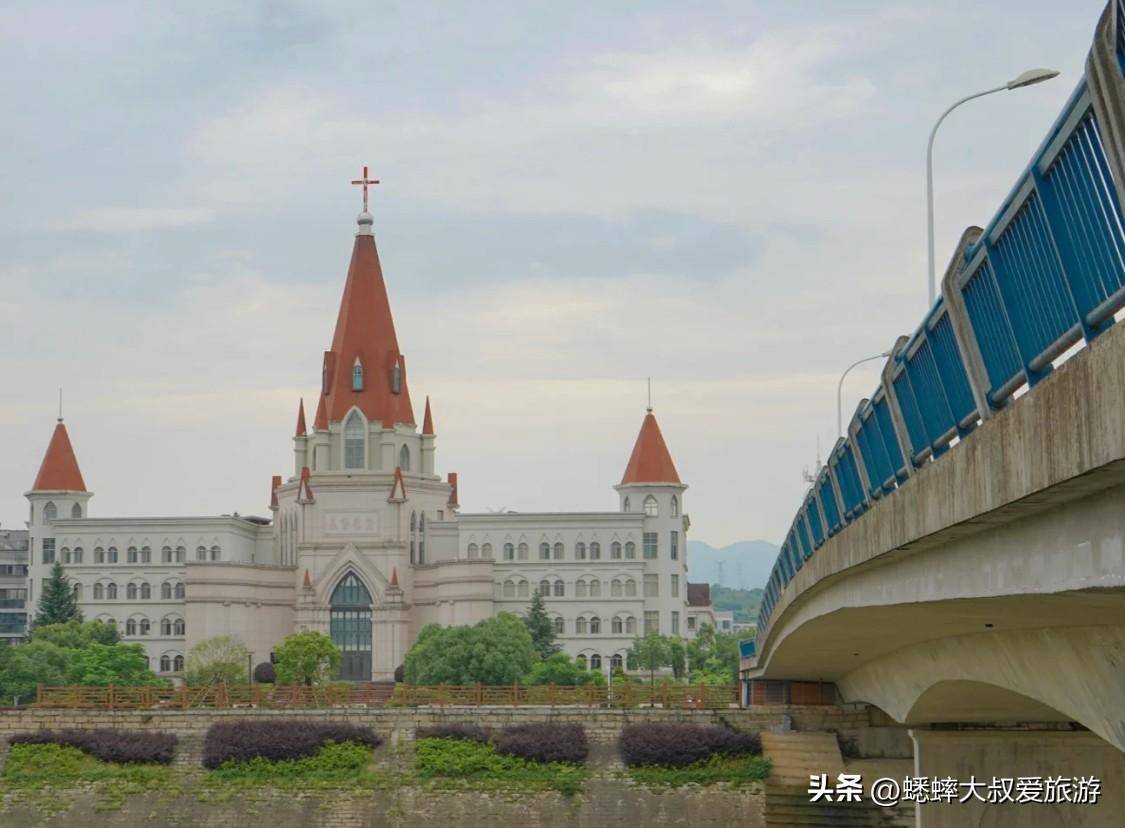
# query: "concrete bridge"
960, 560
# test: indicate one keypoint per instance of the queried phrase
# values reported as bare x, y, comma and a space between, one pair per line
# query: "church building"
366, 541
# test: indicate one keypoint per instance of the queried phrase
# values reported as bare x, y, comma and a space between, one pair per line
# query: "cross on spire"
365, 181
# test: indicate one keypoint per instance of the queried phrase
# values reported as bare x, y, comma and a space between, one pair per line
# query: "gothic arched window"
651, 509
617, 626
178, 626
473, 552
595, 588
626, 507
413, 537
396, 378
560, 589
544, 551
560, 625
404, 458
595, 551
595, 660
99, 592
675, 506
509, 552
146, 592
357, 376
165, 664
580, 551
180, 591
595, 626
353, 441
558, 551
50, 511
145, 626
76, 511
166, 591
178, 662
615, 550
131, 592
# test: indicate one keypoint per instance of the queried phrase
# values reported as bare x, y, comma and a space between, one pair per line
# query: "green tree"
498, 650
307, 658
650, 652
713, 657
677, 658
24, 667
540, 626
221, 659
560, 668
105, 664
76, 634
57, 604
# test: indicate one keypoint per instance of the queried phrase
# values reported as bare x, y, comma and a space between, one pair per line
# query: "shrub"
467, 732
544, 742
334, 765
108, 745
244, 739
679, 745
218, 660
459, 761
264, 673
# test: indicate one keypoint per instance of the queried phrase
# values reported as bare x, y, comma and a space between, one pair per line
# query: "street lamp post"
840, 389
1028, 78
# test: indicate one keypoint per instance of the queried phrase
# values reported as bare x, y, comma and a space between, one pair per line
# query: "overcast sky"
727, 196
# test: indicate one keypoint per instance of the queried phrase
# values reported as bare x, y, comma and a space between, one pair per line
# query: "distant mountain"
743, 602
742, 565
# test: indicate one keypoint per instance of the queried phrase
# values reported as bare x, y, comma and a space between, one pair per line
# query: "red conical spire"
365, 354
59, 470
301, 430
320, 421
428, 419
650, 461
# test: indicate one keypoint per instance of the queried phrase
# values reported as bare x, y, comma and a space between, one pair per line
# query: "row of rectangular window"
142, 555
557, 552
591, 588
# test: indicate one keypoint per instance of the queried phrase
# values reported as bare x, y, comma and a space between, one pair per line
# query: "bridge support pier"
1011, 754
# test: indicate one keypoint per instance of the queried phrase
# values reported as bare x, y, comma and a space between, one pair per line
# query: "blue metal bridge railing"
1047, 273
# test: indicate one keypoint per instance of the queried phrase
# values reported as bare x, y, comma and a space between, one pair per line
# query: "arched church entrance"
350, 627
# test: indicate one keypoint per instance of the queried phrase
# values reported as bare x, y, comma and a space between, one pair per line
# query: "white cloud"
134, 219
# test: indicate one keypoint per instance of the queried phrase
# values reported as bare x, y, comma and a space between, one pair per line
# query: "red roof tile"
320, 421
365, 330
428, 419
398, 488
650, 461
699, 595
59, 470
301, 430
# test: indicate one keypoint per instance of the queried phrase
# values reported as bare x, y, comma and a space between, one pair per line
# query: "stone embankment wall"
397, 725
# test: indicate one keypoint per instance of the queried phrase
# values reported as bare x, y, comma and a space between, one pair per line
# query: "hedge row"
543, 742
244, 739
107, 745
679, 745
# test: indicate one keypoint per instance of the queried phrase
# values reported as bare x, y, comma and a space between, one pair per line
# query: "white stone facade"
365, 541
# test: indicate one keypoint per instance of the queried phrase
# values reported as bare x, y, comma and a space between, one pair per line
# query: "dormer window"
396, 378
357, 376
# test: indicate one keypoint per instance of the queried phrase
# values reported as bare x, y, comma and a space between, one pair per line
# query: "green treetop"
540, 626
307, 658
57, 604
498, 650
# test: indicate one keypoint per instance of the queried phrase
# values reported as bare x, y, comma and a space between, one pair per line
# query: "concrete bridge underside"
989, 592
